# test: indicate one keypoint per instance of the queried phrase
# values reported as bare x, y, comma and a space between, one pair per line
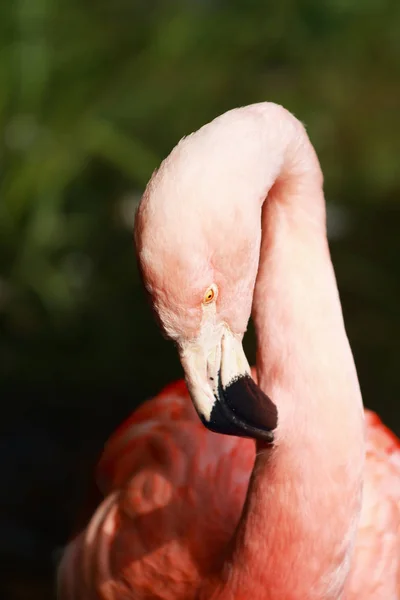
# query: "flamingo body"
173, 495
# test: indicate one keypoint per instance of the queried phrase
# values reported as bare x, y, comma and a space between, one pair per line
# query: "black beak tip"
242, 409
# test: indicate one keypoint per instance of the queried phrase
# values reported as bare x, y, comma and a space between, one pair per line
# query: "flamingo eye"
210, 294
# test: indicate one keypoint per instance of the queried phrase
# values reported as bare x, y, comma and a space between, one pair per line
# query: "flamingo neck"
296, 534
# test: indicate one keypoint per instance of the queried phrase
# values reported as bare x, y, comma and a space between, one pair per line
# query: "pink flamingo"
234, 221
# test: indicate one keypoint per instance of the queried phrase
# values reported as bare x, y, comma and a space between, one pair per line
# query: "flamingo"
263, 484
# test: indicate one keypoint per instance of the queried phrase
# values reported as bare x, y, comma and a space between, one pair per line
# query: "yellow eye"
210, 295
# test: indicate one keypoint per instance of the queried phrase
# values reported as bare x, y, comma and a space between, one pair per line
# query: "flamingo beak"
223, 392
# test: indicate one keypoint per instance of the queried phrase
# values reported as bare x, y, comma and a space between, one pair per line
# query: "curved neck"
301, 513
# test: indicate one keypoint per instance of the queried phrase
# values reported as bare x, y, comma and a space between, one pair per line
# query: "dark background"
93, 94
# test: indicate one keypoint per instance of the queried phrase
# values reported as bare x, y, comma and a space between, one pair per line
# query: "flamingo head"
198, 248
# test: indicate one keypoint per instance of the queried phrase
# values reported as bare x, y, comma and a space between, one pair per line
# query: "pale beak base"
225, 396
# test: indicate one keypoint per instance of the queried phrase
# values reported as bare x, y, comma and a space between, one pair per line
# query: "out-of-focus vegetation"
93, 94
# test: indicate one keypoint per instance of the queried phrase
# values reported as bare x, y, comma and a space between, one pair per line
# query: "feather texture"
174, 493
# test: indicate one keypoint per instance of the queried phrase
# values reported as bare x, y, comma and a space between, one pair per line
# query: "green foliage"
93, 94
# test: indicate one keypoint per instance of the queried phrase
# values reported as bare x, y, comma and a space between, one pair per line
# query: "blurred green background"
93, 95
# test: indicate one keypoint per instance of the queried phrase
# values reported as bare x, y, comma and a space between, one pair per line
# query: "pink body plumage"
174, 494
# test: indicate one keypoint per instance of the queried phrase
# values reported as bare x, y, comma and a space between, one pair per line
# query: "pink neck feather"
298, 526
